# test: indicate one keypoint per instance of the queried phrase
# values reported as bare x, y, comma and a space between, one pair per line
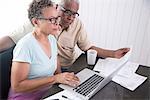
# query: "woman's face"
49, 22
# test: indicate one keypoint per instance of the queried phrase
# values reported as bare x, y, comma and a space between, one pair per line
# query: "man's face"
69, 12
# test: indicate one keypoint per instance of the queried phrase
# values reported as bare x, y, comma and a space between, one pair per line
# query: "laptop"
92, 81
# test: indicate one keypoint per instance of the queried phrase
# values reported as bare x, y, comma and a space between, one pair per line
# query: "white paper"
109, 65
126, 77
128, 69
130, 82
106, 66
66, 93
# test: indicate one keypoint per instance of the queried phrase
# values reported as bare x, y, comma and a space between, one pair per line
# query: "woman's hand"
67, 78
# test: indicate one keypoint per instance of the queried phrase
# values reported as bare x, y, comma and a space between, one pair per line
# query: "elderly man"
72, 32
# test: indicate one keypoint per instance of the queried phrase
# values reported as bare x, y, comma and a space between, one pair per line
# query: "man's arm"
110, 53
10, 40
5, 43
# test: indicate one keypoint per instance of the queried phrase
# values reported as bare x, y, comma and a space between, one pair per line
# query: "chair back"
5, 72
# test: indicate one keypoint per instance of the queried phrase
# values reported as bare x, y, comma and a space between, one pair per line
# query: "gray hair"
36, 6
63, 2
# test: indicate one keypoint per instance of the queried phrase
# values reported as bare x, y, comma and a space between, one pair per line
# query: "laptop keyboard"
89, 85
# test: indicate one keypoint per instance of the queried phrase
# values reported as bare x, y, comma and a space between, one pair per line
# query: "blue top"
28, 50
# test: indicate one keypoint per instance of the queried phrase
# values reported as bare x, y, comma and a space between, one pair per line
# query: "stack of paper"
126, 77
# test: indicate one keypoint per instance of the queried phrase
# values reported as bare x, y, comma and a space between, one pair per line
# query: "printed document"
126, 77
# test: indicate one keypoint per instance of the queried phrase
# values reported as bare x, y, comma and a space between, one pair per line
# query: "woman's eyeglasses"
53, 20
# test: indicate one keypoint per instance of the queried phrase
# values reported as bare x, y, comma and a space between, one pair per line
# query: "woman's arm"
20, 82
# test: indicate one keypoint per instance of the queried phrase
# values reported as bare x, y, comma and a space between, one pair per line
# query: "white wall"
113, 24
110, 24
13, 14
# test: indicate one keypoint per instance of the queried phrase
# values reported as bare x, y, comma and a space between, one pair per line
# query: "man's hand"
120, 52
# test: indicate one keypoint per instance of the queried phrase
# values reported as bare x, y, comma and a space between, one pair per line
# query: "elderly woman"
34, 67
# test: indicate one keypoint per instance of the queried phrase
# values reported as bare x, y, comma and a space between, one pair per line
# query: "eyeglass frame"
51, 20
71, 13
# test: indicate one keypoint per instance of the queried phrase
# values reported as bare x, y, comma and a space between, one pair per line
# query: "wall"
13, 15
112, 24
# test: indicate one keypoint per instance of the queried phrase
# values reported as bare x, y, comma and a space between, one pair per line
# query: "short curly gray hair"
36, 6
